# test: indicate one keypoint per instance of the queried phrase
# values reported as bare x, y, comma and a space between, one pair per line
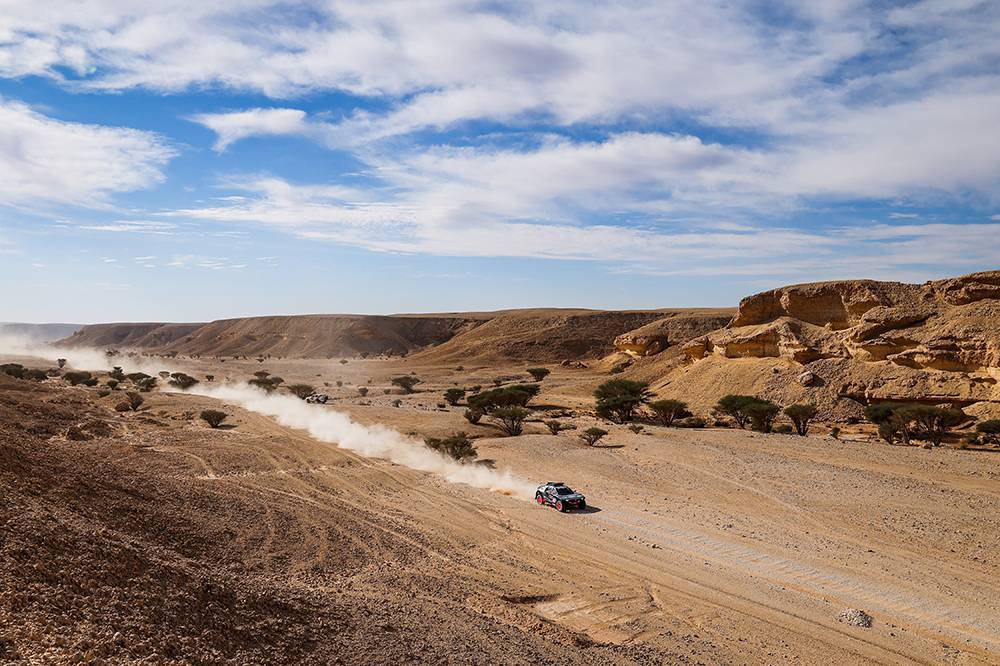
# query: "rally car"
561, 496
317, 398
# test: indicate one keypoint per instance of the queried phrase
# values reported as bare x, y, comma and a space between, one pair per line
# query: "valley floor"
160, 538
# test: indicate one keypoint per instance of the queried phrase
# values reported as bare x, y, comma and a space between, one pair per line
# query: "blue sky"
193, 160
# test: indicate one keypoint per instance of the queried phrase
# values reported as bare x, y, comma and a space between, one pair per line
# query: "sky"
187, 160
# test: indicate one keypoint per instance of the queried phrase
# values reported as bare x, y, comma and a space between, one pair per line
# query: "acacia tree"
405, 382
801, 415
734, 406
510, 419
762, 414
213, 417
538, 374
667, 411
593, 435
617, 399
457, 447
453, 395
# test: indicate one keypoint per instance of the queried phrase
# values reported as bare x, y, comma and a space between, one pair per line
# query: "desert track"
700, 547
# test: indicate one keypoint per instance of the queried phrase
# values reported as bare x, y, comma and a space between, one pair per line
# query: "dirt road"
259, 544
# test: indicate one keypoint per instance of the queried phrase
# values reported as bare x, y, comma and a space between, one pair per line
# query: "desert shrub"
510, 419
405, 382
134, 400
476, 389
989, 427
801, 415
784, 428
209, 378
35, 374
146, 385
397, 402
103, 393
453, 395
835, 432
343, 361
90, 382
111, 384
362, 391
734, 406
473, 414
301, 391
934, 423
117, 373
182, 381
164, 374
636, 428
538, 374
667, 411
516, 395
761, 414
554, 426
339, 383
61, 362
262, 374
136, 377
617, 399
15, 370
691, 422
457, 447
908, 420
77, 377
593, 435
213, 417
123, 406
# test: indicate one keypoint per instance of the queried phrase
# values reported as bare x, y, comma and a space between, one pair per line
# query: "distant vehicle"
317, 398
561, 496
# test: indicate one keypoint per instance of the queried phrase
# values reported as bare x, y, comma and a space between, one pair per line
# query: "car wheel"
559, 506
539, 499
583, 505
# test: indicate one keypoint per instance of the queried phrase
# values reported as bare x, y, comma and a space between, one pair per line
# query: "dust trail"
337, 428
79, 358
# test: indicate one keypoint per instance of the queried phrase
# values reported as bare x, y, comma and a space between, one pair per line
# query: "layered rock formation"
859, 340
674, 328
948, 325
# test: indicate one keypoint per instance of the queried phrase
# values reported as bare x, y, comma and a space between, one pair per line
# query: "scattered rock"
856, 618
807, 378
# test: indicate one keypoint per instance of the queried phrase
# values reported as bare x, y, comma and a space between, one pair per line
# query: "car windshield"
564, 490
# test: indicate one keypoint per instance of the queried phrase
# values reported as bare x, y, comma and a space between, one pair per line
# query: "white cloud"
236, 125
46, 161
132, 226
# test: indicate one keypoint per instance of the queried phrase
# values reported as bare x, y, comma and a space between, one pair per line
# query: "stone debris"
856, 618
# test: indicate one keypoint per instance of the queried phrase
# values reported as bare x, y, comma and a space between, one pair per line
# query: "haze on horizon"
195, 161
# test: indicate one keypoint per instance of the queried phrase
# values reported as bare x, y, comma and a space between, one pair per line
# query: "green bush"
453, 395
667, 411
593, 435
15, 370
134, 400
734, 406
213, 417
182, 381
406, 382
617, 399
908, 420
761, 414
801, 415
516, 395
538, 374
457, 447
510, 419
301, 391
77, 377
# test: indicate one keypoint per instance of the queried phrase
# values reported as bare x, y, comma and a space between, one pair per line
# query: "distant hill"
39, 332
138, 336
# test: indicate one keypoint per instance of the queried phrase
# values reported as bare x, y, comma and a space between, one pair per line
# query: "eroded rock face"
673, 329
948, 325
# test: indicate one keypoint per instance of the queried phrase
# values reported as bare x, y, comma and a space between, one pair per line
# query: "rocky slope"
134, 335
854, 341
541, 335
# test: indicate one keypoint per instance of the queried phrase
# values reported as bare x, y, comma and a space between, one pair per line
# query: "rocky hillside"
320, 336
541, 335
134, 335
842, 344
